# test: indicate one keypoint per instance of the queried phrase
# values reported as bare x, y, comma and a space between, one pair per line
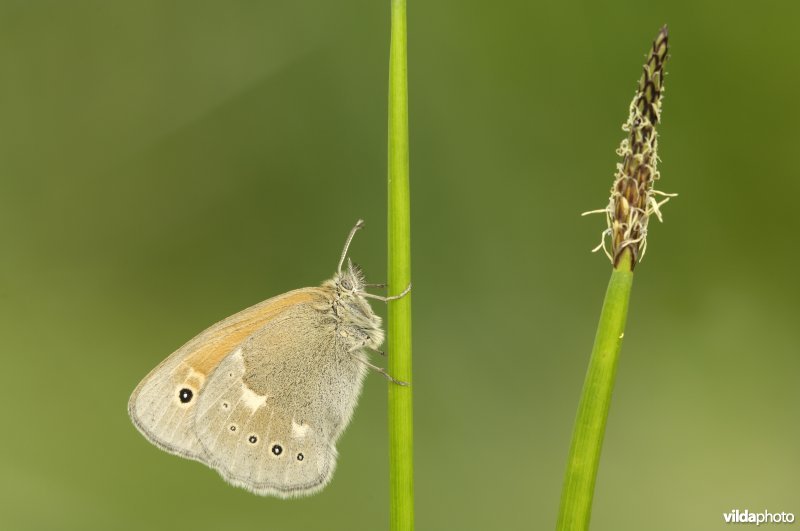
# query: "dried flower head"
633, 198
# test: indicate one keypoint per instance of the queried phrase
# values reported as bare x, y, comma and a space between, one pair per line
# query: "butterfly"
263, 396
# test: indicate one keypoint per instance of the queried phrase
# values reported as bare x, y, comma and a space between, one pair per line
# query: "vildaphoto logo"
746, 517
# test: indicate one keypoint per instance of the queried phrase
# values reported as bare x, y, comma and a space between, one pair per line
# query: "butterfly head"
351, 308
349, 280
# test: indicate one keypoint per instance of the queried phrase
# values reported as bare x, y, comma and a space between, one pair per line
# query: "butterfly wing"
163, 405
270, 415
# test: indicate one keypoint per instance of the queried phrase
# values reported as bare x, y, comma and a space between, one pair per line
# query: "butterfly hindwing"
253, 444
272, 411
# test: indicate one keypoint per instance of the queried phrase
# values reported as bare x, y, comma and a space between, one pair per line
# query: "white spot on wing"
298, 430
252, 399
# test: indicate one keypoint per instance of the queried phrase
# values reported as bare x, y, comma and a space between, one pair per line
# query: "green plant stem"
401, 444
590, 424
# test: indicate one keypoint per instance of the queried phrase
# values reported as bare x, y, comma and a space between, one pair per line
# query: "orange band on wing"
219, 340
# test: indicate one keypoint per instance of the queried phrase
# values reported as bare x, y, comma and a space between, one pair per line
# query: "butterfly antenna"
359, 224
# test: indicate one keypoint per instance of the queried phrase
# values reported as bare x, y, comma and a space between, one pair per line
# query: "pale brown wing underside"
162, 405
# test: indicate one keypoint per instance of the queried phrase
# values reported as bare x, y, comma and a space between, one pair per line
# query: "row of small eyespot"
277, 449
185, 396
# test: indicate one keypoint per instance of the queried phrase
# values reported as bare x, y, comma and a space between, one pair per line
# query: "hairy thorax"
351, 315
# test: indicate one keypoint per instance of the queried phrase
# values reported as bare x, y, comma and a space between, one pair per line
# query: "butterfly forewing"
162, 405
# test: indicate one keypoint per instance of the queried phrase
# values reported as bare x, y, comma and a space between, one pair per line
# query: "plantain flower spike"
633, 199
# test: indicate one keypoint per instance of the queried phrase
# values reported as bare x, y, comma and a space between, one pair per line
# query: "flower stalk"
632, 201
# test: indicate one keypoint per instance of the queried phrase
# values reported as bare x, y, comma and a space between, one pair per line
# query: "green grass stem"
590, 424
401, 445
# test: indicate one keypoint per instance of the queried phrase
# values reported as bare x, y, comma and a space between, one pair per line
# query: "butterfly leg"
363, 344
371, 349
391, 297
379, 369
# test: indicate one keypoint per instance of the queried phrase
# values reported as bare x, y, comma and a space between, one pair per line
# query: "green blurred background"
165, 164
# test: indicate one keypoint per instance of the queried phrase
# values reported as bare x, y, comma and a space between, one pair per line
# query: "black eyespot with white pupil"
300, 457
185, 395
232, 427
253, 439
277, 449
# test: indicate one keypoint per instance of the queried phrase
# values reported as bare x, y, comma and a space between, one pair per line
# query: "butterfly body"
263, 396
